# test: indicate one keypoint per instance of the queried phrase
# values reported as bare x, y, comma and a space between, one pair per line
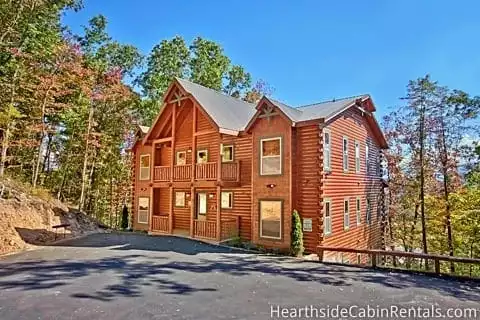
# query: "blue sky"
316, 50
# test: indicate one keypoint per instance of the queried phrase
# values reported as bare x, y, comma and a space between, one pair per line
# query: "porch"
209, 171
229, 228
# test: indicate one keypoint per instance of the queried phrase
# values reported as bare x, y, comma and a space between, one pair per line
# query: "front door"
201, 206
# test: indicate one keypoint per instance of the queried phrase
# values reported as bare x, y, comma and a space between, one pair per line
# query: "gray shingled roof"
321, 110
234, 114
227, 112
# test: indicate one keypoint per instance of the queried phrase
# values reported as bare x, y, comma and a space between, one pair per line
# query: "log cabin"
215, 167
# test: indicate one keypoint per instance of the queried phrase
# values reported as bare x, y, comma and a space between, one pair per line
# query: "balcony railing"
160, 223
182, 172
230, 171
205, 229
161, 173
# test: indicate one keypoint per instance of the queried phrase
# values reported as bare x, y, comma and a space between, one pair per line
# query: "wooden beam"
162, 140
170, 212
218, 235
172, 155
192, 210
194, 141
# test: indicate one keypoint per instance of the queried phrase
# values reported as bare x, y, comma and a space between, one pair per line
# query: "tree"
208, 63
296, 246
237, 81
124, 224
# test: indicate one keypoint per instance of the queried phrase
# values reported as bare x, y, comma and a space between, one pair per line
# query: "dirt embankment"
26, 220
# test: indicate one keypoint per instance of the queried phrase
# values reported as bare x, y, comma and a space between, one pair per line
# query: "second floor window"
202, 156
327, 150
227, 199
144, 167
357, 156
367, 155
181, 158
270, 156
359, 211
345, 154
227, 153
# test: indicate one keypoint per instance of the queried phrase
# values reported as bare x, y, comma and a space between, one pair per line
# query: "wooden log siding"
230, 171
339, 185
229, 228
308, 182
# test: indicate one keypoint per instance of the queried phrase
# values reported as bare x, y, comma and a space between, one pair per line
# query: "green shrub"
124, 224
296, 246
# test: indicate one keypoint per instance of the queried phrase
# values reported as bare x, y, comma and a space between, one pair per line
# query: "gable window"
143, 209
270, 156
202, 156
346, 214
180, 199
368, 216
359, 210
271, 219
327, 217
181, 158
367, 155
144, 167
227, 199
357, 156
327, 150
345, 154
227, 153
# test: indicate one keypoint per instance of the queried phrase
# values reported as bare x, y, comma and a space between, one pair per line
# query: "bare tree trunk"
81, 201
42, 136
46, 159
422, 181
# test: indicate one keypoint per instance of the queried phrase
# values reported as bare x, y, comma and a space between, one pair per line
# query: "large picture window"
144, 167
143, 209
271, 156
327, 217
327, 150
271, 219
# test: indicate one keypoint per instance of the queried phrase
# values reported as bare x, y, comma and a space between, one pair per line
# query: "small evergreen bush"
124, 224
296, 246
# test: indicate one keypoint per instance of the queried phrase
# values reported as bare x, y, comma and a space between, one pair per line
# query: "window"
179, 199
346, 214
368, 216
202, 156
345, 154
144, 167
367, 155
202, 203
143, 209
327, 217
326, 150
271, 156
359, 210
227, 199
271, 219
181, 158
357, 156
227, 153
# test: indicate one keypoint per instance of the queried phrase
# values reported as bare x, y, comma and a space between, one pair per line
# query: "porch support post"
172, 156
194, 142
170, 212
152, 162
192, 211
218, 213
150, 204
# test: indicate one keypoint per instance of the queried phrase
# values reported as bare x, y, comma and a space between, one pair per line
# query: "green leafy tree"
296, 246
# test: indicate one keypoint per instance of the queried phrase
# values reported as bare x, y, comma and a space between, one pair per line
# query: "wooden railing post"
373, 257
320, 254
437, 266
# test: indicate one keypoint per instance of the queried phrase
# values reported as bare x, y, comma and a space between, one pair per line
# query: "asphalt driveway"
133, 276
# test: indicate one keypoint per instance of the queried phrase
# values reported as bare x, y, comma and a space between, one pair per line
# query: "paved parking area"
134, 276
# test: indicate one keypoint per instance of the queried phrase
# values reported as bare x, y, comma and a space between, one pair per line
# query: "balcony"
230, 171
